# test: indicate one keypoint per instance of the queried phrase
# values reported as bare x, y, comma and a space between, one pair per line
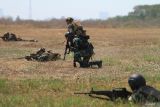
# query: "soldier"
73, 30
83, 51
41, 55
12, 37
77, 42
35, 56
142, 92
49, 56
9, 37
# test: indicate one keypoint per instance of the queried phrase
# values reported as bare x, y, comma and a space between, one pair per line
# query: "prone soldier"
12, 37
141, 93
42, 56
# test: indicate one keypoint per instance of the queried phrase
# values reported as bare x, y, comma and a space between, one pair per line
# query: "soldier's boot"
84, 64
98, 63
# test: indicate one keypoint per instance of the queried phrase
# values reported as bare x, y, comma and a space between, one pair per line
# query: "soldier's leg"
77, 58
86, 61
98, 63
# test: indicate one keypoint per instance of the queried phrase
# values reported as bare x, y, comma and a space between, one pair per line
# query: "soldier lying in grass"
42, 56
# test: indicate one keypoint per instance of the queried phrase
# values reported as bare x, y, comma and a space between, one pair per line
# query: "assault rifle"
29, 40
114, 94
25, 57
66, 48
20, 58
17, 39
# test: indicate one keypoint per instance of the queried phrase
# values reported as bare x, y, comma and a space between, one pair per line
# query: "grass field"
52, 84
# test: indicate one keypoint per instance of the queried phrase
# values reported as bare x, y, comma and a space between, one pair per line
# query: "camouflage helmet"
69, 19
42, 49
136, 81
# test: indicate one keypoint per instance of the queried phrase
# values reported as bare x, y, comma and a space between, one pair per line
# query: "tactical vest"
75, 29
146, 94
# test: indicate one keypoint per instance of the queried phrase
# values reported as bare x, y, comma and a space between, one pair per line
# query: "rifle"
66, 48
65, 52
112, 95
19, 58
19, 39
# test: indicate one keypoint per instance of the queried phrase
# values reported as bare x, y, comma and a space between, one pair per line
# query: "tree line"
142, 16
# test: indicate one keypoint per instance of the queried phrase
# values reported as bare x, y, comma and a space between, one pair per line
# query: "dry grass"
123, 51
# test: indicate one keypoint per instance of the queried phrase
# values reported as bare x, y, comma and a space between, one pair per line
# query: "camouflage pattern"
83, 51
77, 41
42, 56
74, 28
73, 31
141, 92
9, 37
145, 94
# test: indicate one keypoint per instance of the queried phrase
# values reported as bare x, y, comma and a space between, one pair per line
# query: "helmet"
42, 49
69, 19
136, 81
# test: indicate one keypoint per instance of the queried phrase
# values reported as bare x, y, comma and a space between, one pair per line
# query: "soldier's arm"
71, 29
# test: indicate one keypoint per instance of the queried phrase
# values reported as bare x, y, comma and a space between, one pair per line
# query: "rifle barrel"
29, 40
82, 93
20, 58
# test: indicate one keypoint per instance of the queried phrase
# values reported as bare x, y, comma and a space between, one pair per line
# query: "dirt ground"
123, 52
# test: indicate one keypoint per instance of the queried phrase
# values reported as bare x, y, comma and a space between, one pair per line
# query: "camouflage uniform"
9, 37
83, 50
73, 30
78, 43
48, 56
42, 56
12, 37
145, 94
141, 92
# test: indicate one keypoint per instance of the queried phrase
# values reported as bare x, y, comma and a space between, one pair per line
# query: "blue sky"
82, 9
